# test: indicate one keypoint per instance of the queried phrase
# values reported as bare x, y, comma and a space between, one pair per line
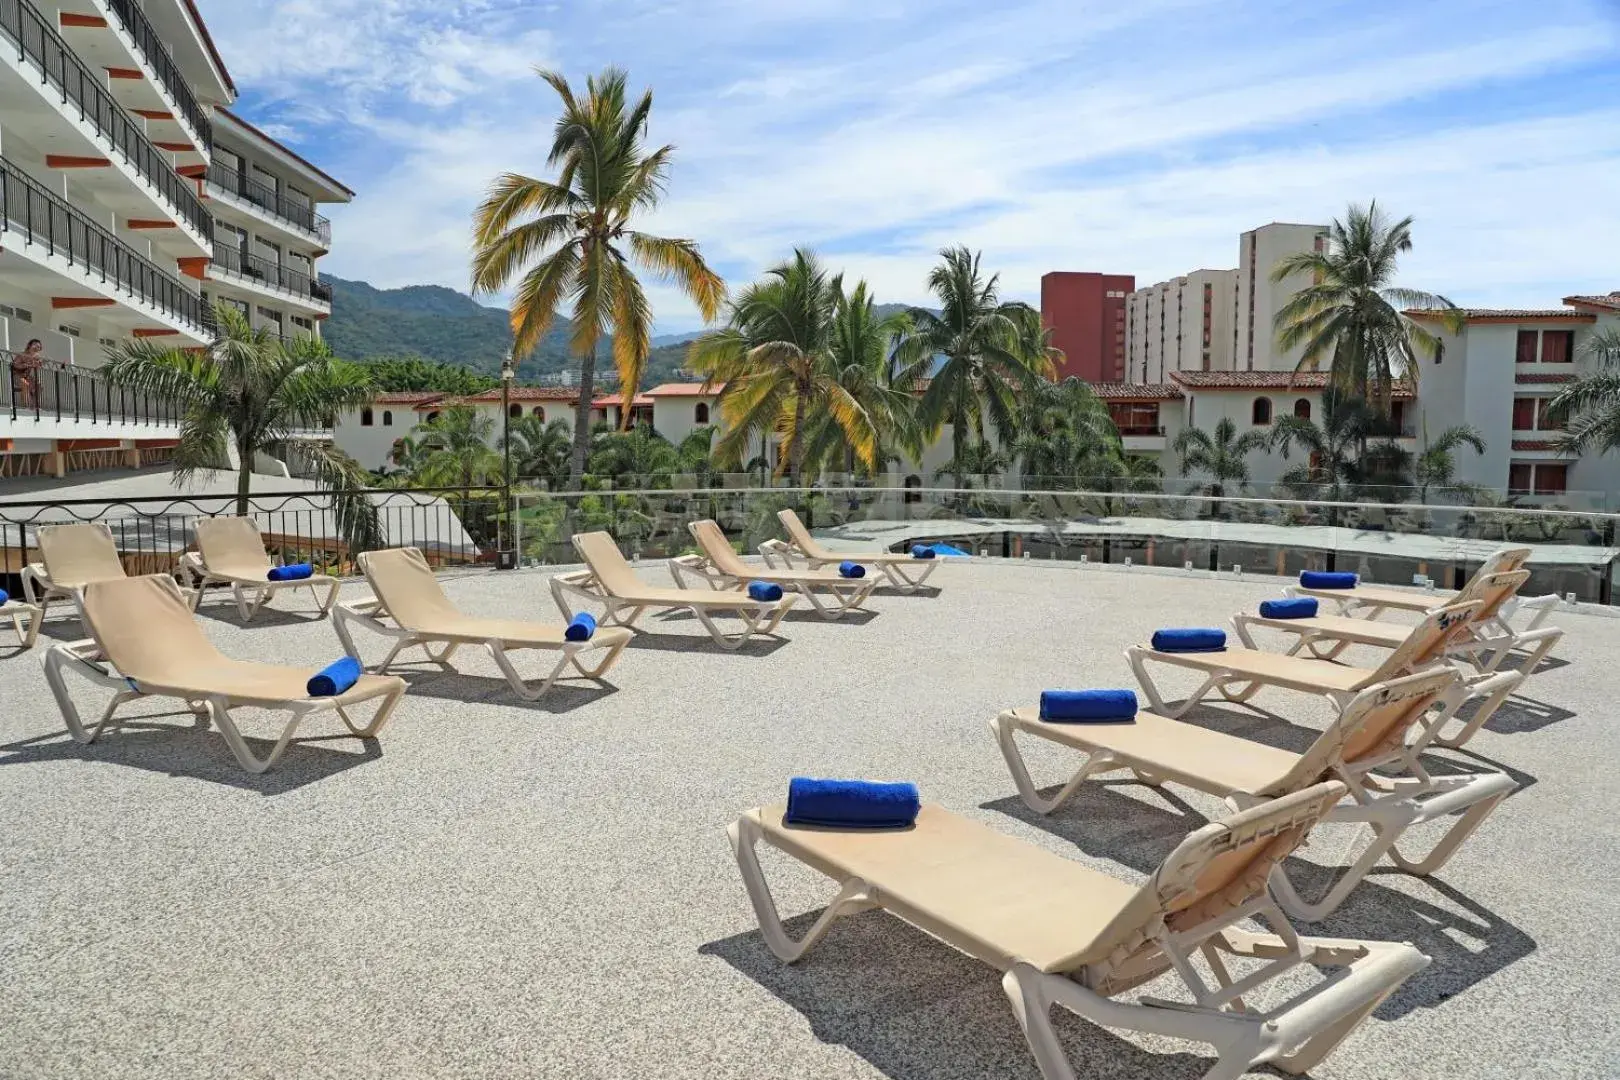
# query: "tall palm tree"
775, 356
571, 240
861, 360
1436, 464
455, 449
1589, 408
993, 352
540, 450
1221, 455
250, 392
1066, 435
1341, 463
1353, 315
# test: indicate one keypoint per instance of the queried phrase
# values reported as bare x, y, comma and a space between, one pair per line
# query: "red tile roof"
1527, 378
618, 399
1610, 302
1264, 380
524, 393
1534, 444
1118, 391
1485, 315
406, 397
685, 389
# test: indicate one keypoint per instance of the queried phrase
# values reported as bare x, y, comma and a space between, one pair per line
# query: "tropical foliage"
455, 449
1589, 408
1221, 455
1066, 438
406, 373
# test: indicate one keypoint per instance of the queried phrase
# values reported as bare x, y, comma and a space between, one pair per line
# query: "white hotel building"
130, 202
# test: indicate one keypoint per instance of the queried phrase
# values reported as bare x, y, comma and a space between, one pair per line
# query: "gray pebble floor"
493, 888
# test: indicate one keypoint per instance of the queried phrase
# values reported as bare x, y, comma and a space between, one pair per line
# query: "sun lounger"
1373, 601
1377, 730
25, 619
145, 642
409, 606
231, 551
1065, 934
612, 582
829, 592
1237, 674
903, 572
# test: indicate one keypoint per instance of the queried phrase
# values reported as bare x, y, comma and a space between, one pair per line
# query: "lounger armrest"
580, 583
697, 567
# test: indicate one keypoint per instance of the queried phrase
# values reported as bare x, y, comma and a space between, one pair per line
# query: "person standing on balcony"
25, 373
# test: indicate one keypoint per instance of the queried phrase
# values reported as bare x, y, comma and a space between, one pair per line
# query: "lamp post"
506, 558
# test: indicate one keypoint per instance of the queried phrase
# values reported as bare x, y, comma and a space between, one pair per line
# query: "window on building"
539, 412
1302, 408
1261, 414
1544, 417
515, 412
388, 418
13, 312
912, 495
1519, 478
1397, 417
1551, 478
1557, 346
1524, 414
365, 417
1526, 350
700, 415
432, 416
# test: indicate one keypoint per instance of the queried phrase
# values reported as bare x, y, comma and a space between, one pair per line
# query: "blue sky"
1138, 137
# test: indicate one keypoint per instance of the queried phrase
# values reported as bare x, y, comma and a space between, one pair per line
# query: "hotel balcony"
64, 110
256, 276
50, 248
263, 206
142, 74
1142, 439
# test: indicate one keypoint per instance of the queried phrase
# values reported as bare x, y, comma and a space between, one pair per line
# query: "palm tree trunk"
796, 459
582, 419
244, 476
958, 422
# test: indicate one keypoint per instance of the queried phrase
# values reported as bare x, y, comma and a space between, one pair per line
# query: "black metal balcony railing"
48, 220
267, 199
270, 274
139, 28
37, 41
59, 392
1141, 429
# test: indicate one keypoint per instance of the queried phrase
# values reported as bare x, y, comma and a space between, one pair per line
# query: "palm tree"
1222, 456
978, 458
540, 450
640, 454
694, 455
1353, 315
1067, 436
455, 449
250, 392
1341, 464
861, 355
776, 359
1589, 408
570, 239
993, 352
1436, 464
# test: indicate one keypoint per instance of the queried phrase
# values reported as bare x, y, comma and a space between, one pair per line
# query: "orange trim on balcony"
193, 172
61, 303
70, 19
67, 445
64, 161
153, 114
125, 73
157, 444
195, 266
148, 331
149, 223
6, 444
176, 147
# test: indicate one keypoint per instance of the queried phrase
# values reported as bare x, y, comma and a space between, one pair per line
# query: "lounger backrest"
402, 579
800, 535
1374, 723
601, 553
1427, 642
146, 629
717, 549
232, 545
1493, 591
76, 555
1500, 561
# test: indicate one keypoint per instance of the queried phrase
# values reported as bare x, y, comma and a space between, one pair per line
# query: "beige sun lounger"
231, 551
903, 572
1376, 730
25, 619
1065, 934
719, 567
1374, 601
406, 592
612, 582
145, 642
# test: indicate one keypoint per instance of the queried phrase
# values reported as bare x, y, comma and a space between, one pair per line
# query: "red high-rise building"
1086, 314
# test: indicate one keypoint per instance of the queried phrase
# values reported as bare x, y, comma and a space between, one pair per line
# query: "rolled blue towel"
1191, 639
1327, 579
1088, 706
851, 804
5, 598
766, 592
1297, 607
580, 627
335, 679
851, 569
921, 551
293, 572
947, 549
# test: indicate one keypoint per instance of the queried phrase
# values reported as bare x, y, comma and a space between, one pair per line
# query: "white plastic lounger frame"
250, 585
901, 571
1293, 1036
72, 556
1389, 790
1372, 602
832, 595
18, 611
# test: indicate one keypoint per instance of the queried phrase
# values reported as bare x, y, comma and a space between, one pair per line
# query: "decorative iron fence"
59, 392
139, 28
271, 274
295, 213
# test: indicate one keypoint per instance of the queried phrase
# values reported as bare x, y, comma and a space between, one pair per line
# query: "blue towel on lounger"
1088, 706
1192, 639
1297, 607
580, 627
294, 572
851, 569
766, 592
5, 598
335, 679
953, 552
921, 551
1325, 579
851, 804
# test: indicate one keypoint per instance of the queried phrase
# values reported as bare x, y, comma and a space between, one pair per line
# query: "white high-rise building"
1257, 299
130, 201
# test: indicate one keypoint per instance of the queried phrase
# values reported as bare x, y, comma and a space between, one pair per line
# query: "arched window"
1302, 409
388, 418
432, 416
539, 412
365, 417
515, 412
700, 414
912, 483
1262, 411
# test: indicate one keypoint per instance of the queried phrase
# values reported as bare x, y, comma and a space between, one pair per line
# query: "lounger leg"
1486, 794
719, 636
55, 661
497, 650
220, 711
1005, 728
379, 719
1496, 690
1023, 986
608, 661
331, 586
854, 896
